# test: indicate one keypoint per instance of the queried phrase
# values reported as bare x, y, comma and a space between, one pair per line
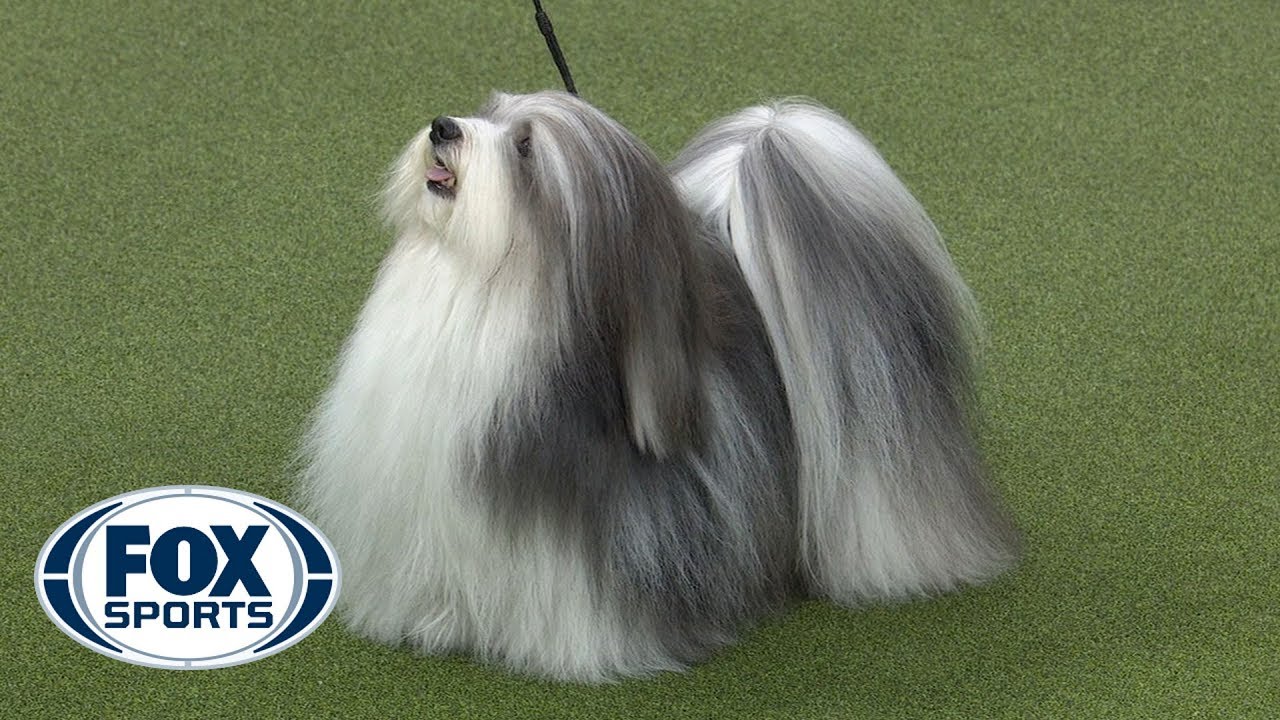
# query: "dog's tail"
875, 335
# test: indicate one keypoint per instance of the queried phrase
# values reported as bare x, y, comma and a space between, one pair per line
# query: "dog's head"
547, 190
547, 164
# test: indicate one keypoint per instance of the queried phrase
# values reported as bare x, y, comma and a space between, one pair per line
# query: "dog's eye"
524, 146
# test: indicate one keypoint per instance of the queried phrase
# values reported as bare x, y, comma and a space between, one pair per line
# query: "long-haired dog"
597, 415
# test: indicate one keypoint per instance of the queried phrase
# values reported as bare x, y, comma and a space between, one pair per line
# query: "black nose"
444, 129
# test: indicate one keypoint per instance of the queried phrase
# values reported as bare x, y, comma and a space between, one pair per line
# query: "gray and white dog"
598, 415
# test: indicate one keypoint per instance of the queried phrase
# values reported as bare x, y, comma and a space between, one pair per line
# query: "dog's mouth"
440, 179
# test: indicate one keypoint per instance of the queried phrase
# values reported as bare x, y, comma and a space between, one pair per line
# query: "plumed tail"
875, 334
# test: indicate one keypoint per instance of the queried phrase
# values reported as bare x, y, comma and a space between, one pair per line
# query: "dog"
597, 415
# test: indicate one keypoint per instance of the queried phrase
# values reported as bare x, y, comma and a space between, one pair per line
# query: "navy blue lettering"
164, 560
206, 611
239, 568
261, 613
118, 611
152, 611
120, 562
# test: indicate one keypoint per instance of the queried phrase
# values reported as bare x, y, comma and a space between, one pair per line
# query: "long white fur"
440, 343
869, 528
456, 327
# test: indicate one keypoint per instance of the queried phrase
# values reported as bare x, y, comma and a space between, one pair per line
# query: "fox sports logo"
187, 577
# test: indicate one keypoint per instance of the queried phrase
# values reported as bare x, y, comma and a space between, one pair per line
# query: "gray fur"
875, 332
693, 525
590, 426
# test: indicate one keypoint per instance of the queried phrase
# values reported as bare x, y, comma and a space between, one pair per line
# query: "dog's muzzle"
443, 130
440, 177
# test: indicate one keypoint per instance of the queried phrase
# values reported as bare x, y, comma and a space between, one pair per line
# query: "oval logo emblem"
187, 577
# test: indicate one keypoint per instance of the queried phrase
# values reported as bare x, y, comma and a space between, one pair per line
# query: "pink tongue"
435, 173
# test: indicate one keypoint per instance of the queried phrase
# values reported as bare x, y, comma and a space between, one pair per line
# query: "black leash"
544, 24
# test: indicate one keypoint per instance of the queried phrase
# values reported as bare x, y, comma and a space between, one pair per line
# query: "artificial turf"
188, 225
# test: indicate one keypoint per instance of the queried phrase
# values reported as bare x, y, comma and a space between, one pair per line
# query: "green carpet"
188, 226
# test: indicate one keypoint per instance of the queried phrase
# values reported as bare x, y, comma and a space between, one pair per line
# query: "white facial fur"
476, 223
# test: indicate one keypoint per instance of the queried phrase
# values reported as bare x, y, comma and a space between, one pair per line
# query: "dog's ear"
662, 338
632, 271
641, 278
